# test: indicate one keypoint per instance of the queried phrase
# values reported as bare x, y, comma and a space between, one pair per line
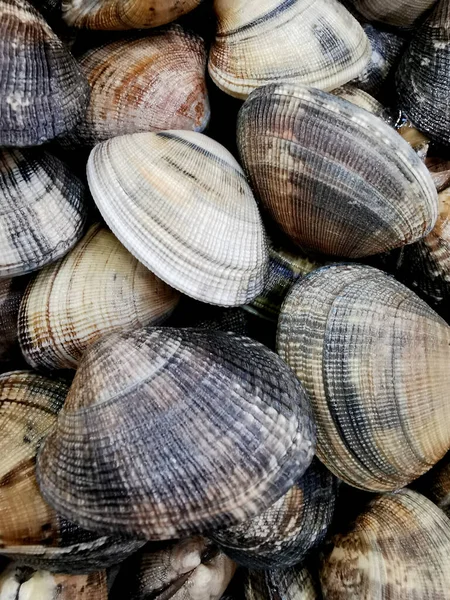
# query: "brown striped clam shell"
295, 583
398, 13
11, 292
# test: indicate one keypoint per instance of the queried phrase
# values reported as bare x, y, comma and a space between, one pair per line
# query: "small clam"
335, 178
11, 292
398, 548
180, 203
315, 42
418, 141
440, 172
296, 583
364, 100
99, 287
436, 484
191, 430
399, 13
374, 359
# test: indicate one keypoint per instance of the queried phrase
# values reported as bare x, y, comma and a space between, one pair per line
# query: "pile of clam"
224, 299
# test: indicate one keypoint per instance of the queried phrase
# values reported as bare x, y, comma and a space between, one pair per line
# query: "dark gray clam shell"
296, 583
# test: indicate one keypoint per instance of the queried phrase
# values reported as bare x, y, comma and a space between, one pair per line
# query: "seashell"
124, 14
137, 85
11, 291
435, 485
282, 535
336, 179
363, 100
212, 245
42, 92
419, 142
296, 583
42, 212
397, 549
314, 42
373, 358
399, 13
191, 569
423, 76
440, 172
98, 288
200, 434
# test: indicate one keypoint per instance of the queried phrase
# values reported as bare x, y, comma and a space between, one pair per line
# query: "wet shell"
211, 245
399, 13
192, 429
334, 177
99, 287
282, 535
296, 583
314, 42
11, 291
398, 548
423, 76
145, 84
42, 211
364, 100
42, 90
373, 358
436, 484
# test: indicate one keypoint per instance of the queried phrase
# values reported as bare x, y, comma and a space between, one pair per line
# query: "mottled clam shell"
11, 292
313, 42
364, 100
42, 90
42, 211
398, 13
435, 485
296, 583
98, 288
373, 358
283, 534
335, 178
398, 548
204, 430
211, 245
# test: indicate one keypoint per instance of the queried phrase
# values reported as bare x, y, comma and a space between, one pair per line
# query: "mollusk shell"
373, 358
417, 140
11, 291
181, 204
399, 13
440, 172
364, 100
42, 90
98, 288
204, 430
398, 548
296, 583
435, 485
334, 177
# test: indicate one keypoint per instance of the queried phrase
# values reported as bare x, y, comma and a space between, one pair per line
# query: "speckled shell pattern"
42, 90
195, 430
398, 548
296, 583
335, 178
11, 292
373, 358
180, 203
282, 535
42, 210
151, 83
98, 288
435, 485
398, 13
313, 42
423, 76
353, 94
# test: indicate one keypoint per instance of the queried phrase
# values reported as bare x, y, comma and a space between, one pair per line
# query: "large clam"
296, 583
399, 13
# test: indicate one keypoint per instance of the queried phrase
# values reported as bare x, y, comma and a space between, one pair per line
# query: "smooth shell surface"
296, 583
335, 178
373, 358
181, 204
11, 292
193, 430
399, 13
98, 288
314, 42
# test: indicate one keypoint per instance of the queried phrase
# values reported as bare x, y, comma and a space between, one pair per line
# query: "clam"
191, 430
181, 204
11, 291
282, 535
99, 287
398, 548
296, 583
418, 141
42, 211
42, 90
436, 484
314, 42
335, 178
440, 171
399, 13
353, 94
373, 358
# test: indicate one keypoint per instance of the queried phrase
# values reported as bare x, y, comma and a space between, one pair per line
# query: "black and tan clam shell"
435, 484
204, 430
398, 548
295, 583
373, 358
397, 13
336, 179
11, 292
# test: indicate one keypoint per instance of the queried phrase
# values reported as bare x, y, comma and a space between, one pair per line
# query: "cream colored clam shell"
399, 13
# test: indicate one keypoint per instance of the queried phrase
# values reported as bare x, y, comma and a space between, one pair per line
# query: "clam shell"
418, 141
364, 100
398, 549
296, 583
436, 484
98, 288
11, 291
211, 246
335, 178
373, 358
193, 429
440, 171
399, 13
42, 90
314, 42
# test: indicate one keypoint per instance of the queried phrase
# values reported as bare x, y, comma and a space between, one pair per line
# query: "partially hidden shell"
42, 210
399, 13
180, 203
98, 288
335, 178
296, 583
353, 94
373, 358
194, 430
418, 141
11, 292
435, 485
398, 548
314, 42
43, 93
440, 171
